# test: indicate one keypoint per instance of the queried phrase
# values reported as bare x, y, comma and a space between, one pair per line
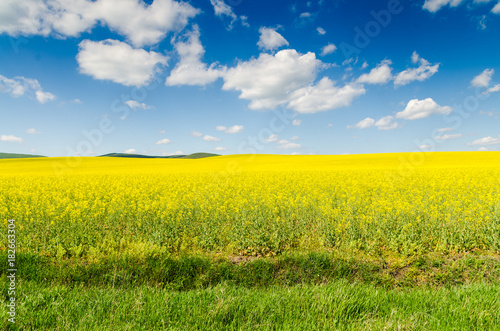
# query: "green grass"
17, 156
338, 305
195, 272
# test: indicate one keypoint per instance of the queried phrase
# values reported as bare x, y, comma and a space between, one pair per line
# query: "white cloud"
76, 101
486, 141
364, 124
364, 65
210, 138
272, 138
424, 71
163, 141
328, 49
144, 25
232, 129
489, 113
178, 153
141, 24
11, 139
449, 136
426, 146
235, 129
417, 109
268, 80
296, 122
444, 129
119, 62
483, 79
295, 138
270, 39
221, 9
321, 31
435, 5
285, 144
305, 15
130, 151
135, 105
493, 89
18, 86
196, 134
324, 96
43, 97
386, 123
378, 75
496, 9
482, 149
220, 149
190, 70
32, 131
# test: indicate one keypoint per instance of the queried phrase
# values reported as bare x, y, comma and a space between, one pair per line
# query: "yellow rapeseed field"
250, 205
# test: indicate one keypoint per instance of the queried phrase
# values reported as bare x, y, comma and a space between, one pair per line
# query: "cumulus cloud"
235, 129
269, 79
324, 96
492, 89
483, 79
321, 31
435, 5
32, 131
19, 86
190, 70
196, 134
272, 138
270, 39
137, 105
220, 149
285, 144
296, 122
163, 141
328, 49
223, 10
232, 129
417, 109
386, 123
486, 141
449, 136
364, 124
210, 138
119, 62
378, 75
424, 71
130, 151
141, 24
496, 9
11, 139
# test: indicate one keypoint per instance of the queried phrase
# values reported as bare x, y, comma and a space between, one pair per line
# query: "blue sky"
167, 77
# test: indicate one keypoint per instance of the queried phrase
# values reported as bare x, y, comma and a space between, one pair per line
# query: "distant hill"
140, 156
17, 156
